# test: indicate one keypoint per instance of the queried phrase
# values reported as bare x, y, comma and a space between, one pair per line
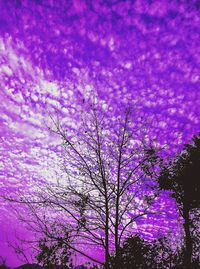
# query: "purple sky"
53, 53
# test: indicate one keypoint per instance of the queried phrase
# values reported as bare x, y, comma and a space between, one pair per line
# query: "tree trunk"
117, 224
117, 204
188, 238
107, 255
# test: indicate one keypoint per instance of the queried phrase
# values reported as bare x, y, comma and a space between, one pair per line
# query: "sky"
54, 53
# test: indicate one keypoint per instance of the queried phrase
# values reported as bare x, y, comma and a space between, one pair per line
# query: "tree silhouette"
108, 175
108, 183
140, 254
182, 177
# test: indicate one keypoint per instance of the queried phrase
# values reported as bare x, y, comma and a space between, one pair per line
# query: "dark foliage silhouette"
139, 254
30, 266
182, 178
54, 254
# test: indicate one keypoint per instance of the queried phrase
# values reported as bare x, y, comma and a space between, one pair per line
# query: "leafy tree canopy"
182, 175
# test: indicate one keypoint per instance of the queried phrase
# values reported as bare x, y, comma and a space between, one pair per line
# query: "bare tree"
109, 168
108, 179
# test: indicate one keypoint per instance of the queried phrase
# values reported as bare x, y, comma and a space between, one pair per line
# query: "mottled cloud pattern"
54, 53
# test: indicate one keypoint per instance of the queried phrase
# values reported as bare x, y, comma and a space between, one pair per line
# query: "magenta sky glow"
54, 53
